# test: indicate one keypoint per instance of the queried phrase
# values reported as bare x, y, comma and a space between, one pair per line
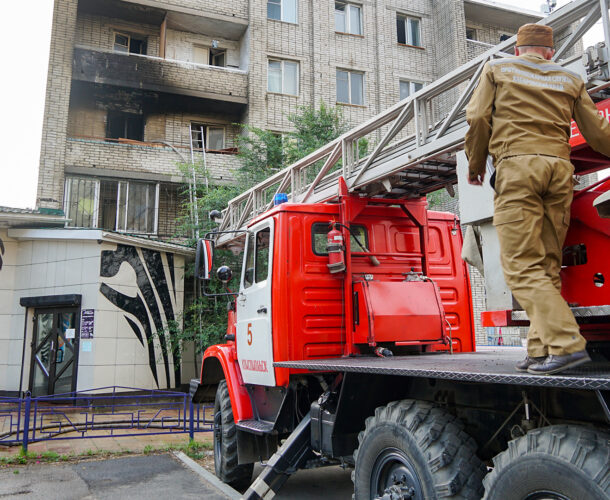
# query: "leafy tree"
262, 153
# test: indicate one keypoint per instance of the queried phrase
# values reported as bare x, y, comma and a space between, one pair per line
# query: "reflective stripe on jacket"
524, 105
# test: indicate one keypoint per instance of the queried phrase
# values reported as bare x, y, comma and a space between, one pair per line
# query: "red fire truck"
351, 338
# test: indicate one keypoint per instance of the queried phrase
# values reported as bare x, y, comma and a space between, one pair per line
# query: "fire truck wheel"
556, 463
225, 443
416, 450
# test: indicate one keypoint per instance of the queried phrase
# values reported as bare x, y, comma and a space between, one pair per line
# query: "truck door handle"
262, 310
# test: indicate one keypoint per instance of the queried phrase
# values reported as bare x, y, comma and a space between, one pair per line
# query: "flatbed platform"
488, 364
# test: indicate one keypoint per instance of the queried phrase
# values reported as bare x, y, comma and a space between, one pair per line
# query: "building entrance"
54, 351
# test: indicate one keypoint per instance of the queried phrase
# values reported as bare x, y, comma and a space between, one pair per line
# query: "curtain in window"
342, 86
357, 88
355, 26
274, 76
290, 77
340, 18
289, 13
81, 202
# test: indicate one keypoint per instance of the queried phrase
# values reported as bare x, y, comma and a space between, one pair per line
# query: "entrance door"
54, 351
254, 341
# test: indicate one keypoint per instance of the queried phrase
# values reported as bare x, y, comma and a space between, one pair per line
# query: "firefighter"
520, 113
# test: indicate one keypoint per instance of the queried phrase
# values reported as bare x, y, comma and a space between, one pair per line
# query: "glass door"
54, 351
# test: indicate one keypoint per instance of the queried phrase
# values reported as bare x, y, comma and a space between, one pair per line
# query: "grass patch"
192, 449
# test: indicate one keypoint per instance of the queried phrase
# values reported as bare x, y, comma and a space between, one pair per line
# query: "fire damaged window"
213, 137
127, 206
320, 230
124, 42
218, 57
120, 125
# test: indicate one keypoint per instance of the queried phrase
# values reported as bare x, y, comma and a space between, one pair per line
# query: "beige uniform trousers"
532, 214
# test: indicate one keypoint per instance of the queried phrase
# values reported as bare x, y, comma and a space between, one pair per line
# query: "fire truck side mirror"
203, 259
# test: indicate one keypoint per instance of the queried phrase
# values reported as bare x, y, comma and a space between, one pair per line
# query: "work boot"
558, 363
524, 364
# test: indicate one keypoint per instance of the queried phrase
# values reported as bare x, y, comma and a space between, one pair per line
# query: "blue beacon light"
280, 198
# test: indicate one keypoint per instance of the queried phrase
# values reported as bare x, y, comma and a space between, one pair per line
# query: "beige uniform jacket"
524, 105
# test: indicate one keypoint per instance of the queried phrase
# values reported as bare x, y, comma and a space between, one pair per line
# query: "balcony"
227, 19
151, 161
212, 83
476, 48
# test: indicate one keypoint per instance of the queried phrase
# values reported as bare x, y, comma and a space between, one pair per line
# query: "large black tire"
558, 462
225, 443
416, 450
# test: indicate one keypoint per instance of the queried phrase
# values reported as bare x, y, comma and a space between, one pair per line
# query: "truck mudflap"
291, 456
197, 392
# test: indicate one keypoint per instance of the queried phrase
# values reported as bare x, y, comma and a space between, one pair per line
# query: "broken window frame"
129, 121
124, 187
215, 55
142, 40
196, 135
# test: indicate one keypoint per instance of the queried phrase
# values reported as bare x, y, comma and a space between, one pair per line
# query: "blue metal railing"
103, 412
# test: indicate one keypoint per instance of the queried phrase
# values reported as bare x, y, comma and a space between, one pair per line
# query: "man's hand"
477, 180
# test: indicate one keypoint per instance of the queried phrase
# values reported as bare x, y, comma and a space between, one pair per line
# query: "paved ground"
328, 482
139, 477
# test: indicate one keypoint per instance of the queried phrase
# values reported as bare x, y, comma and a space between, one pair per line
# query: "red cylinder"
335, 249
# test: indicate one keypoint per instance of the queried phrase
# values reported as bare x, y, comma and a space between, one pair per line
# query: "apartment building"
137, 86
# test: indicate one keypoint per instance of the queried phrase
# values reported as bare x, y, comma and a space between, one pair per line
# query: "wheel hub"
394, 477
545, 495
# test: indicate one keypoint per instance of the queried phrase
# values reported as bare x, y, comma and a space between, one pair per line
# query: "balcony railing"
147, 158
162, 75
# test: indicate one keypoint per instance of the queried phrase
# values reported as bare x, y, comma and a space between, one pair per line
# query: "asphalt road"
152, 476
141, 477
327, 482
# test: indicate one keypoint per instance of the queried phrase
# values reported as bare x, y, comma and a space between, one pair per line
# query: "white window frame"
348, 27
68, 194
156, 206
282, 90
407, 21
207, 135
412, 88
349, 87
195, 126
129, 37
296, 12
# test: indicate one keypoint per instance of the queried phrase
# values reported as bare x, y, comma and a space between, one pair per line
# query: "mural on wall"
145, 304
2, 255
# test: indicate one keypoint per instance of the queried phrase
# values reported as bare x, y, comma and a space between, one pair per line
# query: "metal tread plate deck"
488, 365
259, 427
579, 312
